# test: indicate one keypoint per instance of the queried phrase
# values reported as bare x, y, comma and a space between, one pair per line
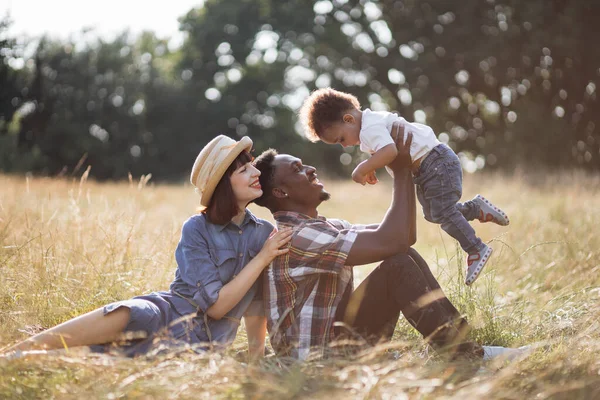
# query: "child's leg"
454, 224
469, 209
424, 203
481, 209
439, 190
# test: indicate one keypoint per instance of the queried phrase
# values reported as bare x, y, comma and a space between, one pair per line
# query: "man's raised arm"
397, 232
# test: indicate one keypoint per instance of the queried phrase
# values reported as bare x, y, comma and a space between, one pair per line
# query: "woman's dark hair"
223, 205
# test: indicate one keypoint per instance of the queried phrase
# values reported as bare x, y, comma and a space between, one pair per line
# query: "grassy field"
69, 246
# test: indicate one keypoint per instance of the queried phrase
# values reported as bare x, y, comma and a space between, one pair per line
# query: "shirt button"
241, 255
240, 232
198, 284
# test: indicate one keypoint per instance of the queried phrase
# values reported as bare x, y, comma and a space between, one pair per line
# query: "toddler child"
336, 118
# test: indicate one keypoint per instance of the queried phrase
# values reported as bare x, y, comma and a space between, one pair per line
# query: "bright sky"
59, 18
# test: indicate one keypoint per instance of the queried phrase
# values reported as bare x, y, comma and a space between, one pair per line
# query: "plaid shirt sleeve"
320, 247
343, 224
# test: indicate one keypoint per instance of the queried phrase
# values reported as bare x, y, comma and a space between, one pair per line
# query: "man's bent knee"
397, 260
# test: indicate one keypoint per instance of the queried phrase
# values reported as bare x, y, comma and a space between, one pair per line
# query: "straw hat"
213, 161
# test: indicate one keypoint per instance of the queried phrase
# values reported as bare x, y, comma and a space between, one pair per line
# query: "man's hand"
403, 159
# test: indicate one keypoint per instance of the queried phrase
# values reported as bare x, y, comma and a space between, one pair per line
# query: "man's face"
298, 181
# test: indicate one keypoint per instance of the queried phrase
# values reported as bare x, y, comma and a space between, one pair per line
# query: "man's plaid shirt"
304, 287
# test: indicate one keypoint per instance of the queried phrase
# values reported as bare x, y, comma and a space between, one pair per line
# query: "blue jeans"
439, 189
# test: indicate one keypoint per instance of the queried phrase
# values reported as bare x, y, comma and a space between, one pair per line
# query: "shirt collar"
249, 217
292, 216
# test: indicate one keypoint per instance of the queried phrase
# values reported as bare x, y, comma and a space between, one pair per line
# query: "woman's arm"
256, 330
231, 293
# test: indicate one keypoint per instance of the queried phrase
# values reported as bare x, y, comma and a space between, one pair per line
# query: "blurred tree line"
504, 82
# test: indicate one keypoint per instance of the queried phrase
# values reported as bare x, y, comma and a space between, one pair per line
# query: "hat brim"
245, 143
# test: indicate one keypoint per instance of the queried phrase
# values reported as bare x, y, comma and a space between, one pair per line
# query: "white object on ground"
506, 353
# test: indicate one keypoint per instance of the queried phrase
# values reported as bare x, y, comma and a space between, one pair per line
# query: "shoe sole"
486, 256
499, 211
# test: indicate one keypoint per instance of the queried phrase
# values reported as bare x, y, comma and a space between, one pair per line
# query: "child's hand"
272, 247
372, 178
359, 176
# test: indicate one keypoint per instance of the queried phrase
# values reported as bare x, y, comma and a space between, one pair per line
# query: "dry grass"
67, 247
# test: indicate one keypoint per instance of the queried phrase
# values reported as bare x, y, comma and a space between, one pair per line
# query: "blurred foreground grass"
69, 246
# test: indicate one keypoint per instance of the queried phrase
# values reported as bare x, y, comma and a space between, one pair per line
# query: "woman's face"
245, 184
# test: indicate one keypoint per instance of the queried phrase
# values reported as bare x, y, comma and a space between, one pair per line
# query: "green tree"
502, 81
233, 72
12, 78
10, 95
91, 105
510, 80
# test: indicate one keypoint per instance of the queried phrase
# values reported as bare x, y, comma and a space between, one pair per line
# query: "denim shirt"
208, 257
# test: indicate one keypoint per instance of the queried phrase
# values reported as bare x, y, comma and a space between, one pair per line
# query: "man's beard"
324, 196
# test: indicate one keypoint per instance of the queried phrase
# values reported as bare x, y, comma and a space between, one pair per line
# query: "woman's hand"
272, 247
236, 288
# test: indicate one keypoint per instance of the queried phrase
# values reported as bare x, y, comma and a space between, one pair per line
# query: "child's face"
345, 133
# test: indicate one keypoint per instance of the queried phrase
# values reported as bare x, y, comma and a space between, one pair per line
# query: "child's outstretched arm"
379, 159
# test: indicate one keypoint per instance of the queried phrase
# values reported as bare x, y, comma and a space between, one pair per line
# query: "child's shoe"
489, 212
475, 263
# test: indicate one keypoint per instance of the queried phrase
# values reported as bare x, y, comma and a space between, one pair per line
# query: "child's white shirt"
375, 133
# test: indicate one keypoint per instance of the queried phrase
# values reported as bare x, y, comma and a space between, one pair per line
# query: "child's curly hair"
323, 108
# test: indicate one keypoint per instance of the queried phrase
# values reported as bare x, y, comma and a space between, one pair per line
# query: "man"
309, 297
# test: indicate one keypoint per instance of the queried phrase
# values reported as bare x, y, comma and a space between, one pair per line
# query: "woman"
221, 254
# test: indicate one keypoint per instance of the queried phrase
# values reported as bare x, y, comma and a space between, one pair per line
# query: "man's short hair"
264, 163
323, 108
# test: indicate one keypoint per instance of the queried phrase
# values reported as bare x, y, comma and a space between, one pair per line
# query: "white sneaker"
506, 353
489, 212
475, 263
